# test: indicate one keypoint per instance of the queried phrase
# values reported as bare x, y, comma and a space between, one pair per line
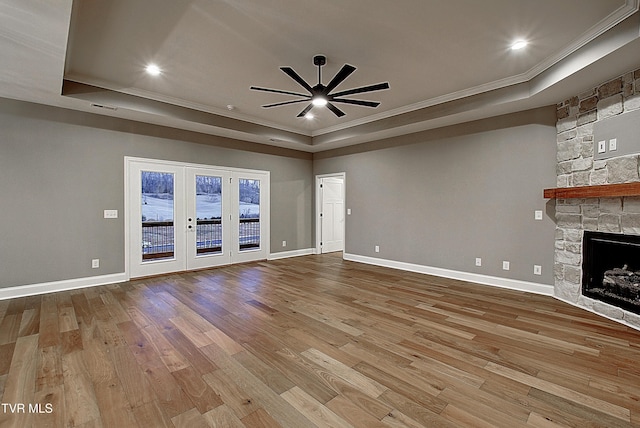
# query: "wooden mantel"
600, 191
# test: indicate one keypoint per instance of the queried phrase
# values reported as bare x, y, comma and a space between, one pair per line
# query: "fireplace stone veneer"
619, 216
576, 166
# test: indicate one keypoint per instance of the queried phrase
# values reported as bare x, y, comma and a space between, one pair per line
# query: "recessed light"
153, 70
519, 44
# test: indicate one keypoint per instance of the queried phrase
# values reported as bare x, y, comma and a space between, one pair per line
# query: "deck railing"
157, 240
249, 233
209, 236
158, 237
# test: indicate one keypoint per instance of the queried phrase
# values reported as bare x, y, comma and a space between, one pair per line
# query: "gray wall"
437, 198
60, 169
442, 198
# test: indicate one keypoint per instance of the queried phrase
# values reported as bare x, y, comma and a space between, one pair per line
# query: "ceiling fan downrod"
319, 61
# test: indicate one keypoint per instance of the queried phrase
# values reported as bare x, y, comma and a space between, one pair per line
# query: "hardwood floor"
313, 340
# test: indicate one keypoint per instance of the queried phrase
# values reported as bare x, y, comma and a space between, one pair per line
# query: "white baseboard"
512, 284
52, 287
292, 253
72, 284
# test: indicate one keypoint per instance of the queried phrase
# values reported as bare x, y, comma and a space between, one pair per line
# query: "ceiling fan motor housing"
319, 60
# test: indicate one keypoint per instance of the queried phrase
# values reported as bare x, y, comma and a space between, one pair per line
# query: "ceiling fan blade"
278, 91
335, 110
370, 88
356, 102
344, 72
285, 103
305, 111
295, 76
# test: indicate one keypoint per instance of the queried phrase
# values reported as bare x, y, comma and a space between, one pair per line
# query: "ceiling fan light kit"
319, 101
321, 95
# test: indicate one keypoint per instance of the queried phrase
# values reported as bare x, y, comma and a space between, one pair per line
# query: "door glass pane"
249, 209
208, 214
157, 215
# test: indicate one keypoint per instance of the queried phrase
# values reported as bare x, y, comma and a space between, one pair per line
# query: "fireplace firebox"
611, 269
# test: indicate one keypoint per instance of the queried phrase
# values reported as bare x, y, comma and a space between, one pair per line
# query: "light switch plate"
538, 215
613, 144
602, 146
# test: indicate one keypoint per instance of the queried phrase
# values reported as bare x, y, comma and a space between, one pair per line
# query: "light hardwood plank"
355, 378
20, 385
313, 340
317, 413
171, 397
80, 400
135, 384
563, 392
201, 395
260, 418
223, 417
152, 415
190, 419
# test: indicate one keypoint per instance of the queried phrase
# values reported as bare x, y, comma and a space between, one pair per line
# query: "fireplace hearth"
611, 269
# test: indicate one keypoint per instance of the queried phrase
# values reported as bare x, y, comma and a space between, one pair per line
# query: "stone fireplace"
578, 164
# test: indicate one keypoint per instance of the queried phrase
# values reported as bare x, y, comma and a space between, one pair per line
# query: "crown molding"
628, 9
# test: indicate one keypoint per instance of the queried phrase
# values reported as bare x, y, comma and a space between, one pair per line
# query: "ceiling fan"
320, 95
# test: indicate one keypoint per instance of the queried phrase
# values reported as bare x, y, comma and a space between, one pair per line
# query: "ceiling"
446, 62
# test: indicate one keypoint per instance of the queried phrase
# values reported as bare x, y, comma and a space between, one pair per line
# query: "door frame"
343, 176
265, 206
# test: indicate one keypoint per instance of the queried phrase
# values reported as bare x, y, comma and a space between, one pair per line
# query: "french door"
185, 217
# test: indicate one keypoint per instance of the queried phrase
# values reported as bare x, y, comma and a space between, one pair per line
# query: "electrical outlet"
505, 265
348, 211
377, 248
95, 263
478, 261
613, 144
284, 243
110, 213
537, 270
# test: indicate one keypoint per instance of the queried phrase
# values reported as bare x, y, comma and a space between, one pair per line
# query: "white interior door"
184, 217
332, 216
